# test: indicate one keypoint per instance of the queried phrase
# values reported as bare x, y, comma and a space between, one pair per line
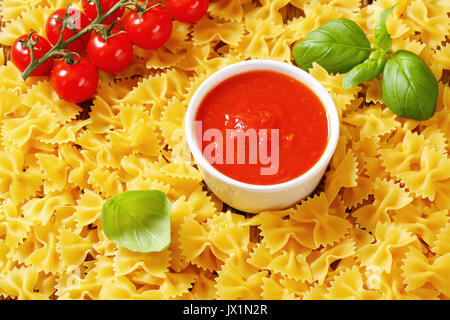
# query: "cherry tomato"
150, 31
21, 57
79, 22
188, 11
112, 55
90, 9
74, 82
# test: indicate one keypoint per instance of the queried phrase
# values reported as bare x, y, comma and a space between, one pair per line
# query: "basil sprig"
410, 89
138, 220
369, 69
337, 46
382, 39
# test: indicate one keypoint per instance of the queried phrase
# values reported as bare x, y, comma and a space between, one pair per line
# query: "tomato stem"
141, 9
30, 43
105, 32
59, 47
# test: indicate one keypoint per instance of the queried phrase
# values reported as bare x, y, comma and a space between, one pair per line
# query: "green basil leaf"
337, 46
138, 220
367, 70
382, 39
410, 89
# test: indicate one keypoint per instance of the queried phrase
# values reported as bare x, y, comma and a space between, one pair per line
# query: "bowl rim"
260, 65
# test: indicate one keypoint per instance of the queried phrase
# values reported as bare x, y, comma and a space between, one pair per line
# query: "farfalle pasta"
377, 227
388, 196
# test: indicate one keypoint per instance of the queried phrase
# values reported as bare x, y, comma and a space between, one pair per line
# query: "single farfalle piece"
440, 61
104, 117
208, 30
236, 280
38, 121
73, 247
436, 137
79, 283
316, 14
292, 262
13, 228
357, 195
21, 283
277, 231
442, 243
197, 246
389, 196
254, 45
270, 10
441, 119
180, 209
16, 181
231, 10
177, 284
78, 167
425, 222
88, 208
404, 154
374, 121
433, 167
179, 39
327, 228
419, 270
137, 133
65, 134
98, 151
56, 171
408, 44
154, 263
172, 121
157, 90
106, 181
11, 78
280, 48
159, 58
273, 290
39, 250
204, 286
10, 102
321, 260
260, 256
233, 240
391, 242
121, 288
343, 175
43, 93
41, 210
349, 285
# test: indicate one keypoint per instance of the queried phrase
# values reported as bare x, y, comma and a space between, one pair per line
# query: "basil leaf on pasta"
367, 70
382, 39
337, 46
409, 87
138, 220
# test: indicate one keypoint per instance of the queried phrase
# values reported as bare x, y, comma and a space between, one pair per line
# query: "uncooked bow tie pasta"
376, 227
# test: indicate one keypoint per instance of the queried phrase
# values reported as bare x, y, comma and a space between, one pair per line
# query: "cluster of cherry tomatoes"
77, 81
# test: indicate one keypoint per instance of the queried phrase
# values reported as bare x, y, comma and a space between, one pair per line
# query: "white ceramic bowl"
256, 198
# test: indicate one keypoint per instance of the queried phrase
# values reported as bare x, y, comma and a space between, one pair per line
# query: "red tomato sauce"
263, 100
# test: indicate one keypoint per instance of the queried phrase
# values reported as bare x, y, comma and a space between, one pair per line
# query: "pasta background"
376, 228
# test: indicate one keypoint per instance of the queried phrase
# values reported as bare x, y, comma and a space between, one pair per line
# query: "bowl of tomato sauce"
262, 134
